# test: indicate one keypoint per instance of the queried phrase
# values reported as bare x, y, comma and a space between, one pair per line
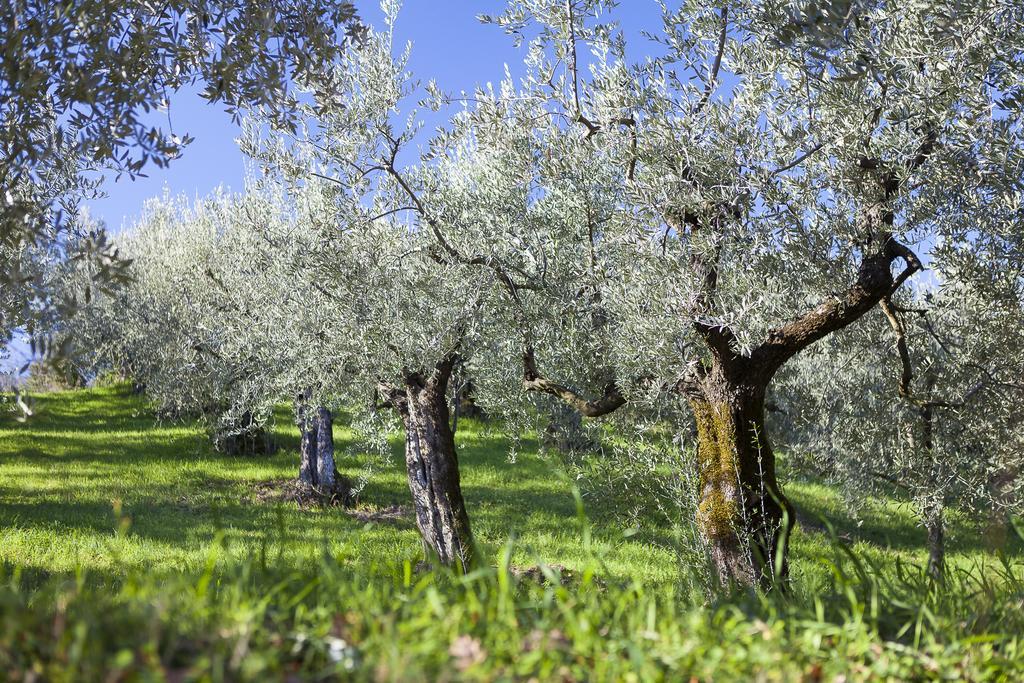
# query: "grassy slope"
64, 472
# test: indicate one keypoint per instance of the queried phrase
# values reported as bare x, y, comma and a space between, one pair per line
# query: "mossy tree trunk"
742, 512
432, 465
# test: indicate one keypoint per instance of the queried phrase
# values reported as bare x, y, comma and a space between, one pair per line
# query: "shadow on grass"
61, 471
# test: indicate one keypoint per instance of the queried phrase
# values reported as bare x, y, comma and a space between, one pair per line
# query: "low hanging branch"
533, 380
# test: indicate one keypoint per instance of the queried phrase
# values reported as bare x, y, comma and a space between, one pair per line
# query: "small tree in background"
922, 398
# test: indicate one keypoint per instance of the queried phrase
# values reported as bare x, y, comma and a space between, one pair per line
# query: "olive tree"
424, 226
78, 78
240, 303
417, 321
394, 319
171, 328
755, 188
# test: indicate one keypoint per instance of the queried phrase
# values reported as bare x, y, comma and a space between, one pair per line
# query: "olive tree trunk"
433, 467
742, 512
326, 471
317, 468
309, 437
934, 525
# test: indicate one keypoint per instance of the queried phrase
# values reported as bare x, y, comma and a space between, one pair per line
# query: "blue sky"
449, 46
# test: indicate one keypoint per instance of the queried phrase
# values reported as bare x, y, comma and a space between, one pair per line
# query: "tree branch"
907, 375
874, 282
611, 400
716, 66
798, 160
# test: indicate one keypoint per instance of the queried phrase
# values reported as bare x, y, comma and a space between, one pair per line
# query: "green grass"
86, 452
132, 549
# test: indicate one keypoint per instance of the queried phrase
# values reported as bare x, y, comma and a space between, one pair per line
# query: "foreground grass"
133, 551
324, 623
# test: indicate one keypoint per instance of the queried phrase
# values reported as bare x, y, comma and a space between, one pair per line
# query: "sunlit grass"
128, 545
87, 454
94, 480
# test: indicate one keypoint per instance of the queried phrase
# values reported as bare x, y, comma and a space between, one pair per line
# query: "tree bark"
433, 468
326, 472
742, 513
934, 524
317, 468
308, 444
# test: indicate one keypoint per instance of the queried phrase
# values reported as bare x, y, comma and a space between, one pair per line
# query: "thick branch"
874, 282
611, 400
442, 371
719, 338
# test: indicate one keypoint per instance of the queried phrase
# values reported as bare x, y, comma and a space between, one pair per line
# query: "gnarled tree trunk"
317, 468
742, 513
432, 466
